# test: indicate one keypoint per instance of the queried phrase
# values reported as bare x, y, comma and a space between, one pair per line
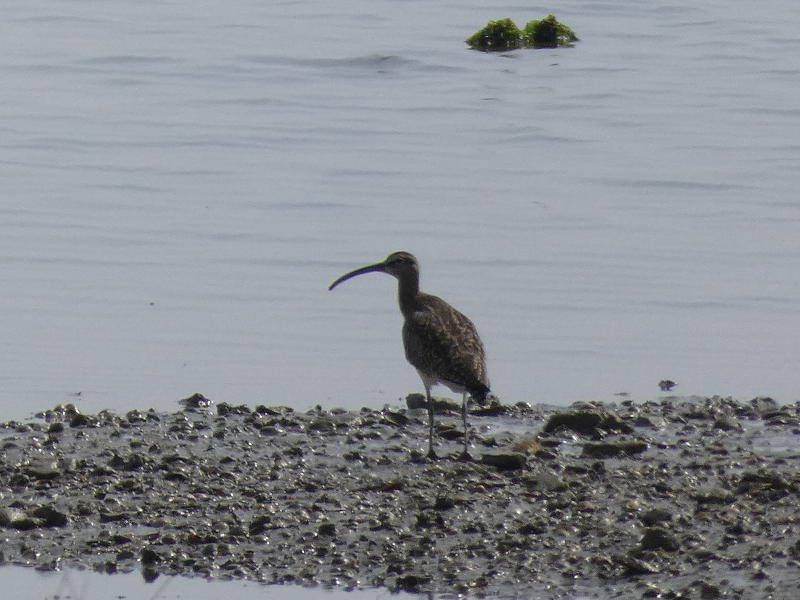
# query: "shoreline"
682, 497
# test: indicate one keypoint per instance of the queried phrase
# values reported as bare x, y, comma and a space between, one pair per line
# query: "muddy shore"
682, 498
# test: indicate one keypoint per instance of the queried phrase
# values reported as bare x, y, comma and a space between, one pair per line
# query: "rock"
655, 516
504, 460
658, 538
322, 424
195, 402
449, 432
666, 385
613, 449
8, 516
533, 527
224, 409
16, 519
765, 485
410, 583
635, 565
764, 404
503, 35
779, 418
149, 556
726, 423
80, 421
259, 524
587, 422
531, 446
493, 409
43, 470
713, 496
542, 480
416, 401
49, 516
397, 419
547, 33
497, 36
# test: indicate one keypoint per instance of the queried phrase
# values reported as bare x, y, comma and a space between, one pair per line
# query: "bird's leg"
465, 455
431, 453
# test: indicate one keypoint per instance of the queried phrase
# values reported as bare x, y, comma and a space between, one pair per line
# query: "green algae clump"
497, 36
547, 33
503, 35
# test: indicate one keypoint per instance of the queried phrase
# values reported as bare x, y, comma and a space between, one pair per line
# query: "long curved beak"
377, 267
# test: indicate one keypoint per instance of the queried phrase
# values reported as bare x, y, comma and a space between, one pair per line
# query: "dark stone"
727, 424
444, 503
44, 470
533, 527
655, 516
613, 449
666, 385
504, 460
195, 402
416, 401
80, 421
586, 422
322, 425
49, 516
410, 583
397, 419
224, 409
657, 538
150, 556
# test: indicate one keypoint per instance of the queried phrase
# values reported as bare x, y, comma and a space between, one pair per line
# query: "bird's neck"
407, 293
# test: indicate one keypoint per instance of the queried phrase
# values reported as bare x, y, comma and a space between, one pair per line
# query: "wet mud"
681, 498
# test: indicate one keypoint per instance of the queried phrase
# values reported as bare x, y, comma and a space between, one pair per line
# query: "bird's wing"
443, 343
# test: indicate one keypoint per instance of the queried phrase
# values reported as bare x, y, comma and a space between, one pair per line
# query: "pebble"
697, 494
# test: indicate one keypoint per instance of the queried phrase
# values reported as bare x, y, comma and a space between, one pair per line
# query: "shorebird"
440, 342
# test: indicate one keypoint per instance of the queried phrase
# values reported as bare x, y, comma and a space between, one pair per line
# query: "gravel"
681, 498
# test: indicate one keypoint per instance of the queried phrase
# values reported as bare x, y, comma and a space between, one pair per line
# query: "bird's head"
398, 264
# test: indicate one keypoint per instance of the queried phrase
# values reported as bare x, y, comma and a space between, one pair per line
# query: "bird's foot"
432, 455
465, 457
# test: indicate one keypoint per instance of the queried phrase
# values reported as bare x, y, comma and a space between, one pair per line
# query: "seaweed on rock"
497, 36
503, 35
548, 33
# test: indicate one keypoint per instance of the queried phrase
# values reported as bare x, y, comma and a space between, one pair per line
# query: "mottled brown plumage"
440, 342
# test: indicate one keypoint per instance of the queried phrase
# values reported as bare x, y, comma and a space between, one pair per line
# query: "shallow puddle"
74, 584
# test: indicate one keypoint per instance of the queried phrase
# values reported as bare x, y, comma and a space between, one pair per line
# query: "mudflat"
681, 498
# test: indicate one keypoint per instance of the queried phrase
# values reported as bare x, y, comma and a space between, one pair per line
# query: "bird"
441, 343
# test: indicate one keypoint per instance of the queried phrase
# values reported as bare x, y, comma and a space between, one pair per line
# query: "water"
181, 182
73, 584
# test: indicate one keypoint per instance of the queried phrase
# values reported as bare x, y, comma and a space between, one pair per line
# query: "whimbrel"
440, 342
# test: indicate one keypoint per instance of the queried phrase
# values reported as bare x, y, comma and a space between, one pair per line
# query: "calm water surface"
181, 182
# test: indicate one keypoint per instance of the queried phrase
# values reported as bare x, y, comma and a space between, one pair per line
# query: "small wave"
127, 59
371, 62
